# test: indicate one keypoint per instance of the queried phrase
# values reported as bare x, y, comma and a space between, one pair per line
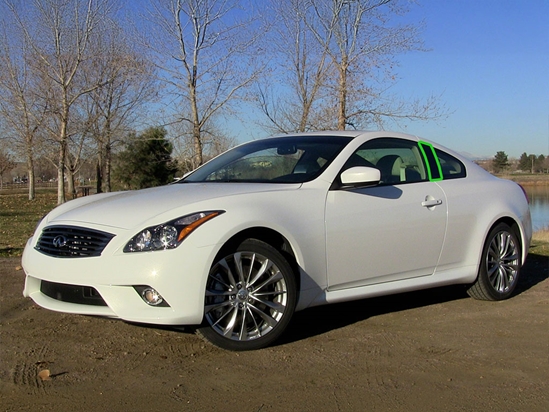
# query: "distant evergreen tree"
539, 164
525, 164
532, 163
146, 161
500, 162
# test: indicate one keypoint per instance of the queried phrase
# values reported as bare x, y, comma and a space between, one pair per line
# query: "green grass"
18, 218
540, 242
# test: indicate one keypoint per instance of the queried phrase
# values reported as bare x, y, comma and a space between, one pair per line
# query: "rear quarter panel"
475, 204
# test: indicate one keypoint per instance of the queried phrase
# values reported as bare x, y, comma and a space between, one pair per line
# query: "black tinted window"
452, 168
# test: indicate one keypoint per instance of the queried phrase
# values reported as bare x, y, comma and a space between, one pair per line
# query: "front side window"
398, 160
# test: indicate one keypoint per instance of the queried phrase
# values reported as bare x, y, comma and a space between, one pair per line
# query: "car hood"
125, 210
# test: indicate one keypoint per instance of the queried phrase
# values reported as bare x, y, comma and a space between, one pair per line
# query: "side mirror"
360, 176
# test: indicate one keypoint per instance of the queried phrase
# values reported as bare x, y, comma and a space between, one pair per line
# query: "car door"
389, 232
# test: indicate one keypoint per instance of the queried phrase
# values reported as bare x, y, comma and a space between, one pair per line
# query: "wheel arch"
515, 226
269, 236
483, 287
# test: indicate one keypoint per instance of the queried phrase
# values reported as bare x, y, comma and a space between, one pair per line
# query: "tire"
500, 265
250, 298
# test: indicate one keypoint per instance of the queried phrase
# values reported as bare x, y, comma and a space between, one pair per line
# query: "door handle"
431, 202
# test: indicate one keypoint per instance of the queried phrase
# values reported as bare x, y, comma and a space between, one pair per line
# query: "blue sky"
490, 61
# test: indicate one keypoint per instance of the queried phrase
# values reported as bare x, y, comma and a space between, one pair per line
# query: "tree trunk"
98, 179
99, 168
30, 171
305, 116
197, 139
197, 146
61, 180
342, 103
61, 165
107, 167
71, 185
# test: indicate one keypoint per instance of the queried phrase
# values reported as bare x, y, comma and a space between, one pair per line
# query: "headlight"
168, 235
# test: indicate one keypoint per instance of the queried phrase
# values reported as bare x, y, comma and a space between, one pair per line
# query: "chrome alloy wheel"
502, 262
500, 265
246, 296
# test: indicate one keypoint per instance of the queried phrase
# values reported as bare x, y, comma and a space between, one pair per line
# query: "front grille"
72, 241
83, 295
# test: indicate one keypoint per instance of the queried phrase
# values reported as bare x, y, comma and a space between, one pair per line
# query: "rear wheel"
250, 297
500, 265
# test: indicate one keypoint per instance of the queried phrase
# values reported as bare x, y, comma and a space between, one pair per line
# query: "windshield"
276, 160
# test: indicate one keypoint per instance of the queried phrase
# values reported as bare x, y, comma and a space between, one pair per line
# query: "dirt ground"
435, 350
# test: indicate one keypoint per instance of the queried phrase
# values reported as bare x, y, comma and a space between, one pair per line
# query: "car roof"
348, 133
373, 134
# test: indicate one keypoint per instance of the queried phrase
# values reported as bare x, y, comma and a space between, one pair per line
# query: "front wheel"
250, 298
499, 266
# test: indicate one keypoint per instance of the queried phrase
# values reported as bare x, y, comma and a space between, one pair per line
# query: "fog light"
152, 297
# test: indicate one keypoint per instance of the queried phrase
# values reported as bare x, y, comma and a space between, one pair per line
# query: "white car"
278, 225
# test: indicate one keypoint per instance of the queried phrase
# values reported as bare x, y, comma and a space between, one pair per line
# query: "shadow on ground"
322, 319
535, 270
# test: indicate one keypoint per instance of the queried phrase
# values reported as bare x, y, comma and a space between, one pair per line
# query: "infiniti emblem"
59, 241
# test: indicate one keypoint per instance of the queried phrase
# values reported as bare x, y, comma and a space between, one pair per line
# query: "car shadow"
322, 319
534, 271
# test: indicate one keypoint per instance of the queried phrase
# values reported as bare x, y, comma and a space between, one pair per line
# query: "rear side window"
452, 168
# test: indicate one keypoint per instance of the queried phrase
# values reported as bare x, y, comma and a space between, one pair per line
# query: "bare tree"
204, 49
76, 156
301, 68
345, 80
6, 164
128, 83
363, 44
214, 142
59, 34
22, 108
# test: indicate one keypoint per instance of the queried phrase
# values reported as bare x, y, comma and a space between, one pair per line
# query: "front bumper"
179, 275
